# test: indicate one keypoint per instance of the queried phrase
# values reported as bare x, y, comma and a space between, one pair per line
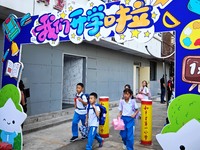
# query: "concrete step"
37, 122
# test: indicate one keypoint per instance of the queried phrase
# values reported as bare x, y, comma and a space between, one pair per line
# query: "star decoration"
98, 35
122, 36
78, 38
127, 2
70, 8
62, 15
53, 42
135, 33
147, 34
154, 15
73, 36
91, 4
37, 23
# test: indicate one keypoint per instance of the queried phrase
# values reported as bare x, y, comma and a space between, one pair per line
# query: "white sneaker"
124, 147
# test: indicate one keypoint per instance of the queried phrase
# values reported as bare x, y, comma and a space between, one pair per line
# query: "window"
153, 70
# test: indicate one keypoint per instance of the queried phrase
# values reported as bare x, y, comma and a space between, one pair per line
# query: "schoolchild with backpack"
80, 103
93, 119
128, 111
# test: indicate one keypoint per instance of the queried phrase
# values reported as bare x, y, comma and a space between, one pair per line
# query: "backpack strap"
82, 104
88, 109
99, 112
133, 105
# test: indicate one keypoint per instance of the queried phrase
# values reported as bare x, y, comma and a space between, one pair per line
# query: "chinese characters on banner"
146, 122
127, 20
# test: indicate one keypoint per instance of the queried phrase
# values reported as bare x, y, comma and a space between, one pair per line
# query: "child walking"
80, 111
144, 90
92, 122
128, 110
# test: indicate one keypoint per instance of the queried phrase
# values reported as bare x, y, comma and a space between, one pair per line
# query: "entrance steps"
42, 121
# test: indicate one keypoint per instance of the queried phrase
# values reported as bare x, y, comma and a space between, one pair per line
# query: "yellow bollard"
104, 129
146, 122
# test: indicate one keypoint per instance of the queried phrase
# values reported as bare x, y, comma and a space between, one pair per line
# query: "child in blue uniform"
80, 111
128, 111
92, 122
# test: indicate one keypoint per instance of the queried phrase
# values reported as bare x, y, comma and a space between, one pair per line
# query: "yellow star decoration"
154, 15
135, 33
122, 36
147, 34
127, 2
98, 35
37, 23
70, 8
78, 38
62, 15
91, 4
73, 36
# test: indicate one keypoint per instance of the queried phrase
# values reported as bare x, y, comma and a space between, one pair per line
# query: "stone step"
38, 122
46, 123
47, 116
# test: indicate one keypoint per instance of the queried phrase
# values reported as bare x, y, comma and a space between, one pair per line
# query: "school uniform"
144, 91
79, 114
93, 124
128, 109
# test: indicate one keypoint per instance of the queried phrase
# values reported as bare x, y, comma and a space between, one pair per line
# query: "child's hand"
86, 123
80, 100
133, 116
119, 116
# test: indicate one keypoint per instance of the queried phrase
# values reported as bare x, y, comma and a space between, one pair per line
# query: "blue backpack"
102, 115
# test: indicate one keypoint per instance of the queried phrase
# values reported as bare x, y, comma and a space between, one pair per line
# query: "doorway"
73, 72
136, 77
139, 74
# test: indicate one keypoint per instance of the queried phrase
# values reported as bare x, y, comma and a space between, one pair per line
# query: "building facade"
105, 67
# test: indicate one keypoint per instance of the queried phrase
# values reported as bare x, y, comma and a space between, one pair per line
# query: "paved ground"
57, 137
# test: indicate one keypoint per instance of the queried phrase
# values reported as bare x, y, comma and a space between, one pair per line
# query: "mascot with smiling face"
183, 131
12, 116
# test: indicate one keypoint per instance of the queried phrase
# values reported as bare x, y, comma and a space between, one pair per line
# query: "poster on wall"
124, 20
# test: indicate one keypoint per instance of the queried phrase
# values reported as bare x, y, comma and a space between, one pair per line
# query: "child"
128, 111
144, 90
92, 122
80, 111
127, 86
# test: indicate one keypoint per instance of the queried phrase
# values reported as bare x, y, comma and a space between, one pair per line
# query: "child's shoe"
74, 138
83, 137
124, 147
101, 144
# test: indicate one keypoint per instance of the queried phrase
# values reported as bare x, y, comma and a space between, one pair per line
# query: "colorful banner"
136, 20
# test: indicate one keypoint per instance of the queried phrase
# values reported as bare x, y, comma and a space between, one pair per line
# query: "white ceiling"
4, 12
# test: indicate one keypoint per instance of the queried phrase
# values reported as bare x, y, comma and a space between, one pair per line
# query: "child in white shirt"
144, 90
92, 122
80, 111
128, 111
